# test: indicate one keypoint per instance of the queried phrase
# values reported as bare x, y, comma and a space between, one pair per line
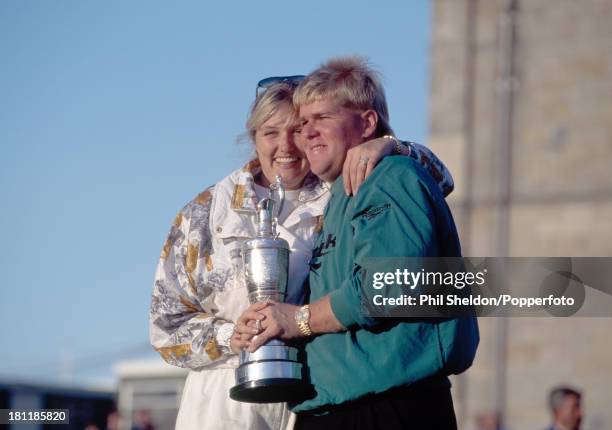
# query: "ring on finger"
258, 326
363, 159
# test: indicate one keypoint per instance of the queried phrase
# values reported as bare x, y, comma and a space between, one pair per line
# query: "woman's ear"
370, 123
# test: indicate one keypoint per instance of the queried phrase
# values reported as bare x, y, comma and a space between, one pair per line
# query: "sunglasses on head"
266, 83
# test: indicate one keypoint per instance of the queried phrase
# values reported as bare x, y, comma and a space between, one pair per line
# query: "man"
367, 372
566, 407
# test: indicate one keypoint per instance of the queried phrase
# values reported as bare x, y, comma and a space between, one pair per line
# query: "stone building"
521, 111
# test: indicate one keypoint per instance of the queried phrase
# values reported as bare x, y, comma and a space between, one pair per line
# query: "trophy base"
273, 390
271, 374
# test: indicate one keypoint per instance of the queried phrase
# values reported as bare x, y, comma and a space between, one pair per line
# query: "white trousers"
206, 404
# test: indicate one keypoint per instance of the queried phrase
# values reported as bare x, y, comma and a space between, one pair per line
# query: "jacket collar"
244, 198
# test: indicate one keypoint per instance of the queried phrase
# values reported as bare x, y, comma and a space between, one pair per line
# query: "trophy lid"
268, 210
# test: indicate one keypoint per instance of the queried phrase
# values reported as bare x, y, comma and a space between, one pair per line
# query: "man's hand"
278, 323
263, 321
361, 160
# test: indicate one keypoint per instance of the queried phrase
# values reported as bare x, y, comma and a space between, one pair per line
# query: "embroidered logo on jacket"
374, 212
320, 251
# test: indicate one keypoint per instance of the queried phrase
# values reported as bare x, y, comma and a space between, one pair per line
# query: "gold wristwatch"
302, 318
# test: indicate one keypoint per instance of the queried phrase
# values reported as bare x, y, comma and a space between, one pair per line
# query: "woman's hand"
239, 340
361, 160
237, 344
247, 326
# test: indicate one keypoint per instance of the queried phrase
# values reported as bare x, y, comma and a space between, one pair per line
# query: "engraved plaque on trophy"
273, 373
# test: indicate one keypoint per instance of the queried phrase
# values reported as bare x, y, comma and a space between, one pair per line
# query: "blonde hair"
352, 82
267, 104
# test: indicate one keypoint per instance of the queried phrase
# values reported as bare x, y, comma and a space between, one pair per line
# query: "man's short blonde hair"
268, 103
352, 82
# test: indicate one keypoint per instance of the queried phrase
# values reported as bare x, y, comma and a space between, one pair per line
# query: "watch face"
302, 315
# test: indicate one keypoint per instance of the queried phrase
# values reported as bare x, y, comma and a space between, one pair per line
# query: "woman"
199, 291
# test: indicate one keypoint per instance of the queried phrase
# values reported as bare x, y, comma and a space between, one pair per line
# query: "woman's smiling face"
275, 143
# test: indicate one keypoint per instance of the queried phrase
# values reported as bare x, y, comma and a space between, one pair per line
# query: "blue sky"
116, 113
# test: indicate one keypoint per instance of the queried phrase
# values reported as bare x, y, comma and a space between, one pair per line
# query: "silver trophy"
273, 373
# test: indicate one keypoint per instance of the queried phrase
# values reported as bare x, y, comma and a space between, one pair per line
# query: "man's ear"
370, 123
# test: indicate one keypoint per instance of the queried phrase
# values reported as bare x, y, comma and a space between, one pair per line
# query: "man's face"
329, 130
570, 413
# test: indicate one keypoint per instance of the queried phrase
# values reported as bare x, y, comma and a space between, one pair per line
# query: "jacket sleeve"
393, 216
432, 164
183, 327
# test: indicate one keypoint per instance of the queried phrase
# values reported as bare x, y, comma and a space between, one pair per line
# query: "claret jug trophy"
273, 373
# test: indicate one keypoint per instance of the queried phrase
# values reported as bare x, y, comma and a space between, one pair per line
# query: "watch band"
302, 318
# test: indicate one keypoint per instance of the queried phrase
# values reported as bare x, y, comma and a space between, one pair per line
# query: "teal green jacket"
398, 212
